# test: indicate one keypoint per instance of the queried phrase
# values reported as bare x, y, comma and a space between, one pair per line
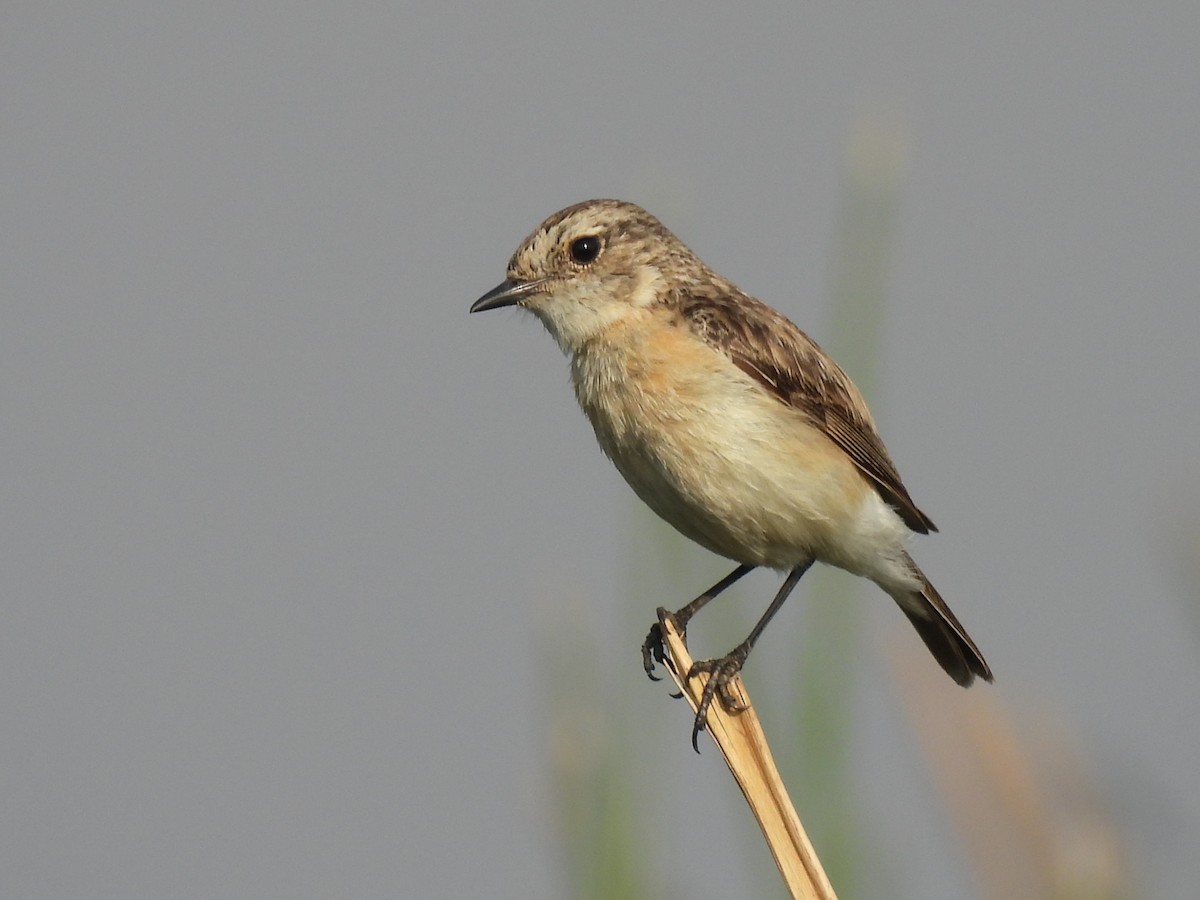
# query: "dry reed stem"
740, 738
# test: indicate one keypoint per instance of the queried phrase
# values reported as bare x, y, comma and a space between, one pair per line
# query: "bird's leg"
652, 647
722, 671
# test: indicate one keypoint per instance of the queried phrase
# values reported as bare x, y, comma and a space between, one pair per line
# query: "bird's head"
589, 267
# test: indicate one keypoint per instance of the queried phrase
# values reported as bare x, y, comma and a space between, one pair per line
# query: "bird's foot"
721, 674
653, 649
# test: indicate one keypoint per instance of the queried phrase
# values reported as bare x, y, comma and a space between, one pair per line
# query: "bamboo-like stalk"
740, 738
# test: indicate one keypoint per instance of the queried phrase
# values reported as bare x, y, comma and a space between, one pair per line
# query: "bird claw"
653, 648
652, 651
721, 674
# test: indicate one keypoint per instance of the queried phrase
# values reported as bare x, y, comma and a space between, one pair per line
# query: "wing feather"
787, 362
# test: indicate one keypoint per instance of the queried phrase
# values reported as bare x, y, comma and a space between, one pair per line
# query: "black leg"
723, 670
652, 647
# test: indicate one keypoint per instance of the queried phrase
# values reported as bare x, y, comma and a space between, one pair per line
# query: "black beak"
506, 293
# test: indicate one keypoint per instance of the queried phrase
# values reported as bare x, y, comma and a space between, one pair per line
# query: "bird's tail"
946, 639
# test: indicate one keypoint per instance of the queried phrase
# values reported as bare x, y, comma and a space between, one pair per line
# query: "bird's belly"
735, 470
739, 495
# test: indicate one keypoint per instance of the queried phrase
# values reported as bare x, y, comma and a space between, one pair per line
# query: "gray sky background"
286, 534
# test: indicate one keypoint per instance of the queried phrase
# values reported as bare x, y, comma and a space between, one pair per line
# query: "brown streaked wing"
769, 348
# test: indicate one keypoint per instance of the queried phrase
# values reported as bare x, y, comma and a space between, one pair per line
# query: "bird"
727, 420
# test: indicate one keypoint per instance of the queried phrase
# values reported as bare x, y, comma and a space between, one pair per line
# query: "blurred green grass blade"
830, 644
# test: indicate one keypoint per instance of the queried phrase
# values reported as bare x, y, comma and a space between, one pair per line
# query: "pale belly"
735, 470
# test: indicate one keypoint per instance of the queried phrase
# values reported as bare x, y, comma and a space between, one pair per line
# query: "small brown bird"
726, 419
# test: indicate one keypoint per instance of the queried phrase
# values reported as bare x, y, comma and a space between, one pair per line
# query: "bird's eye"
584, 250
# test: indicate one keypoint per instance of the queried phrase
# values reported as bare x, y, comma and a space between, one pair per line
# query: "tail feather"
942, 633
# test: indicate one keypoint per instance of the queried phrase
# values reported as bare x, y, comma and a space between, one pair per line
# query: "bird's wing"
788, 363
